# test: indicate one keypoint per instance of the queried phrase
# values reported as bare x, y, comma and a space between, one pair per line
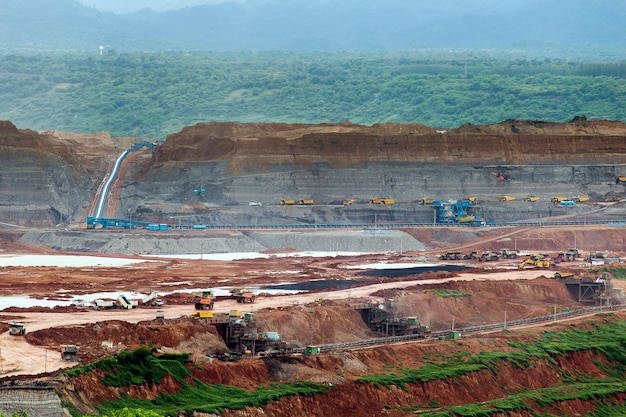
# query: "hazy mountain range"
68, 25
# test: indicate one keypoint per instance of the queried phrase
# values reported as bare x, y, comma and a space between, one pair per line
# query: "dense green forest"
152, 95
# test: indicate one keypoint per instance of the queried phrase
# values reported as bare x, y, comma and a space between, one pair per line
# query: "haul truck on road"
17, 329
204, 300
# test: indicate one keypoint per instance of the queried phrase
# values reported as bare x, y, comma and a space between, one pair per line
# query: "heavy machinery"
287, 202
202, 315
558, 199
415, 327
243, 295
203, 300
470, 198
580, 198
17, 329
451, 256
69, 353
536, 262
509, 253
306, 202
152, 300
563, 275
456, 211
489, 256
613, 198
621, 179
501, 176
124, 302
570, 255
349, 202
472, 256
506, 198
100, 304
382, 200
531, 198
424, 201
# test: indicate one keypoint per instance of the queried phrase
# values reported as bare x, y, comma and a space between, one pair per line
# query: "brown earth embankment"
250, 148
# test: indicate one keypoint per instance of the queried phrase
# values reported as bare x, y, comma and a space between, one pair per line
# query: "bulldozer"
536, 262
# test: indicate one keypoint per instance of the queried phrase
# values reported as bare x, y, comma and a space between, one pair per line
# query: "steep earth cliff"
210, 173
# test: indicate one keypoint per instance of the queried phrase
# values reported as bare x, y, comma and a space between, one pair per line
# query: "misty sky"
128, 6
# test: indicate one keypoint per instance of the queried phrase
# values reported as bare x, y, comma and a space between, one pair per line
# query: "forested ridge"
154, 94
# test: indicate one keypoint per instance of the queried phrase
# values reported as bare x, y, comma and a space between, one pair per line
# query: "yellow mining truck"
509, 253
287, 202
306, 202
531, 198
202, 315
580, 198
383, 200
506, 198
203, 300
243, 295
451, 256
489, 256
563, 275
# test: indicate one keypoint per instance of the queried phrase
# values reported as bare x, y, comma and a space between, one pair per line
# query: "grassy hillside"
152, 95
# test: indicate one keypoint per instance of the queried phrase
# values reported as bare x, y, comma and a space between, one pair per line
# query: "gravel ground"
175, 242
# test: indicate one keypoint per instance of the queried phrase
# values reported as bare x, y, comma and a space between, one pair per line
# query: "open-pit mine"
244, 269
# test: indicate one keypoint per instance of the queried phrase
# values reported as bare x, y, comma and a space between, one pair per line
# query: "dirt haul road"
18, 357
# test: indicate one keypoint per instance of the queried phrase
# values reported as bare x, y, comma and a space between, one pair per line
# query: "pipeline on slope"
103, 198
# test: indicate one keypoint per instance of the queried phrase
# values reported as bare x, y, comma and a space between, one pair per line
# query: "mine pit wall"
227, 196
36, 401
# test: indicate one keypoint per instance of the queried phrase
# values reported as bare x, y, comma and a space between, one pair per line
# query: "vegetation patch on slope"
607, 338
141, 366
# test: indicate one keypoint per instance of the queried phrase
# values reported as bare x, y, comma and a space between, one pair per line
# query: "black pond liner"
338, 284
403, 272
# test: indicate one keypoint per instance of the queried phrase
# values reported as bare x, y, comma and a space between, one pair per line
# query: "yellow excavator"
536, 262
